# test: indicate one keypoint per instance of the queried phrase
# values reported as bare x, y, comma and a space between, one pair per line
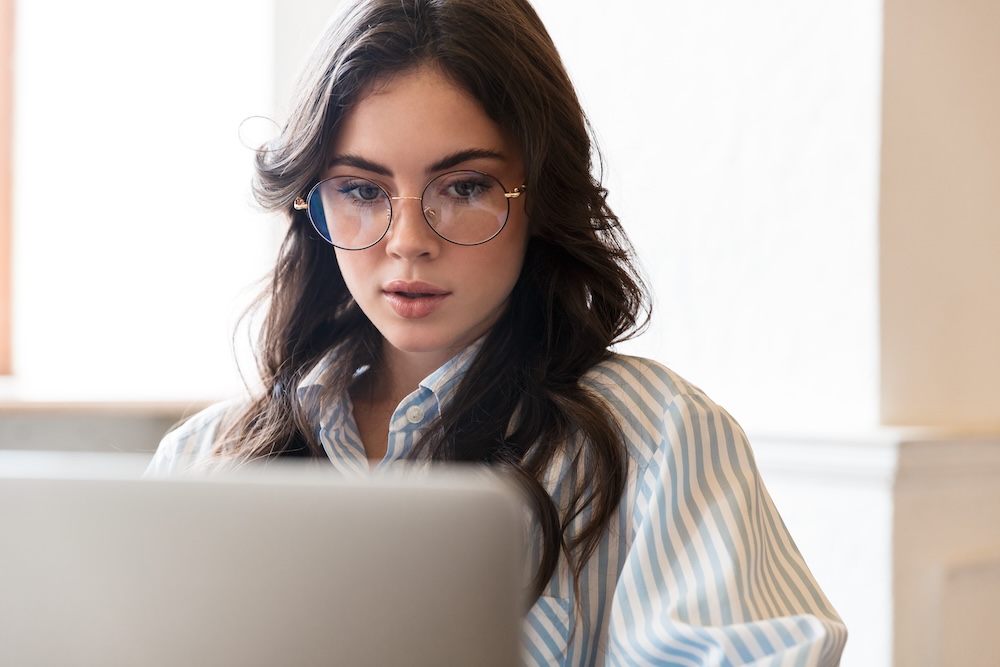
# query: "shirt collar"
441, 382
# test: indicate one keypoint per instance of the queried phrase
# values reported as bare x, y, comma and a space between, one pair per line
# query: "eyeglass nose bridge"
427, 211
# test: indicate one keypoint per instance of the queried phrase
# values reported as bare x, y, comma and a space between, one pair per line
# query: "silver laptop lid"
277, 567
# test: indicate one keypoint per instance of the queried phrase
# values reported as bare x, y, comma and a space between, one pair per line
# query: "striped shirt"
695, 568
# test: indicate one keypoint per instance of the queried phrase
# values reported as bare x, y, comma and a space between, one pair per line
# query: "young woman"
449, 289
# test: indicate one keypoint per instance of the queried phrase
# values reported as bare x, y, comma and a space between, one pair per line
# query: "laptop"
275, 566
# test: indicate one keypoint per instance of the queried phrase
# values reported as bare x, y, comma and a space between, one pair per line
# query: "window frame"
6, 136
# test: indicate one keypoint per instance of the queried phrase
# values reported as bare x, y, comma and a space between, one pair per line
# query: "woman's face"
428, 297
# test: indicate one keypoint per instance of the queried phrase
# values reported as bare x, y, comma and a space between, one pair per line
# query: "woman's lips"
414, 299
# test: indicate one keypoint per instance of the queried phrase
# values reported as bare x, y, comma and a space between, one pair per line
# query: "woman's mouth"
414, 299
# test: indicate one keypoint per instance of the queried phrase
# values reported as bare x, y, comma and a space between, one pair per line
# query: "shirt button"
414, 414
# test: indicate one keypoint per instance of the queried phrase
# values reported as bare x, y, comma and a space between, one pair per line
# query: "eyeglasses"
463, 207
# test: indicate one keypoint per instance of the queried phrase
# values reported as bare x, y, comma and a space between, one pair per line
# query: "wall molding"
887, 456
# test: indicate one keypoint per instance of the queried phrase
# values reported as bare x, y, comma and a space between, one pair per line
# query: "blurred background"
812, 187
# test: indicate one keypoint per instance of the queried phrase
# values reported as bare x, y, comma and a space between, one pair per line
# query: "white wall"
134, 240
742, 145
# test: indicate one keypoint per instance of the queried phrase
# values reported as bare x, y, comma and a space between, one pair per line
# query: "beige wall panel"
940, 215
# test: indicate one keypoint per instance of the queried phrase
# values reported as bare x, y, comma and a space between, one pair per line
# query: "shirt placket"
409, 423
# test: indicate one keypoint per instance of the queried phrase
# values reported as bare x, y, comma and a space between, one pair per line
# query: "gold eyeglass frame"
301, 204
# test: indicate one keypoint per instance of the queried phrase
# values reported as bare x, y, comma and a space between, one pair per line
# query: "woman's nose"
409, 235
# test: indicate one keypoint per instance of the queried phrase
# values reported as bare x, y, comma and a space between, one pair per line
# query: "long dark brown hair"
521, 403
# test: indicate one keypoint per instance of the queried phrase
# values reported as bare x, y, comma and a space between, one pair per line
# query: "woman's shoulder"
191, 442
658, 410
638, 379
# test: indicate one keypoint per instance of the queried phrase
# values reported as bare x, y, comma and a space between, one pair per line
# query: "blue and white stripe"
696, 568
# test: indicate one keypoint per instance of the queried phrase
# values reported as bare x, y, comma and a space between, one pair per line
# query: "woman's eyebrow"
360, 163
459, 157
447, 162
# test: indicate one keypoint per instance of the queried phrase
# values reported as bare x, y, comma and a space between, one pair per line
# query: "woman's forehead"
417, 118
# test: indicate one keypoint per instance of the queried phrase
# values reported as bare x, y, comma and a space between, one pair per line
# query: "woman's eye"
367, 192
466, 189
361, 192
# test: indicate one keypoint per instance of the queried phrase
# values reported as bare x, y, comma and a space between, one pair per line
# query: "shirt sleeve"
190, 444
712, 576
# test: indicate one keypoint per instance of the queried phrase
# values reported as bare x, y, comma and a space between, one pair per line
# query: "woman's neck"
399, 373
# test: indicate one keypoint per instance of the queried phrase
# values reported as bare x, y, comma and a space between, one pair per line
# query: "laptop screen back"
277, 567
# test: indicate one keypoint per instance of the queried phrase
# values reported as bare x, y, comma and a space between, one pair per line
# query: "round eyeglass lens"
465, 207
351, 213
